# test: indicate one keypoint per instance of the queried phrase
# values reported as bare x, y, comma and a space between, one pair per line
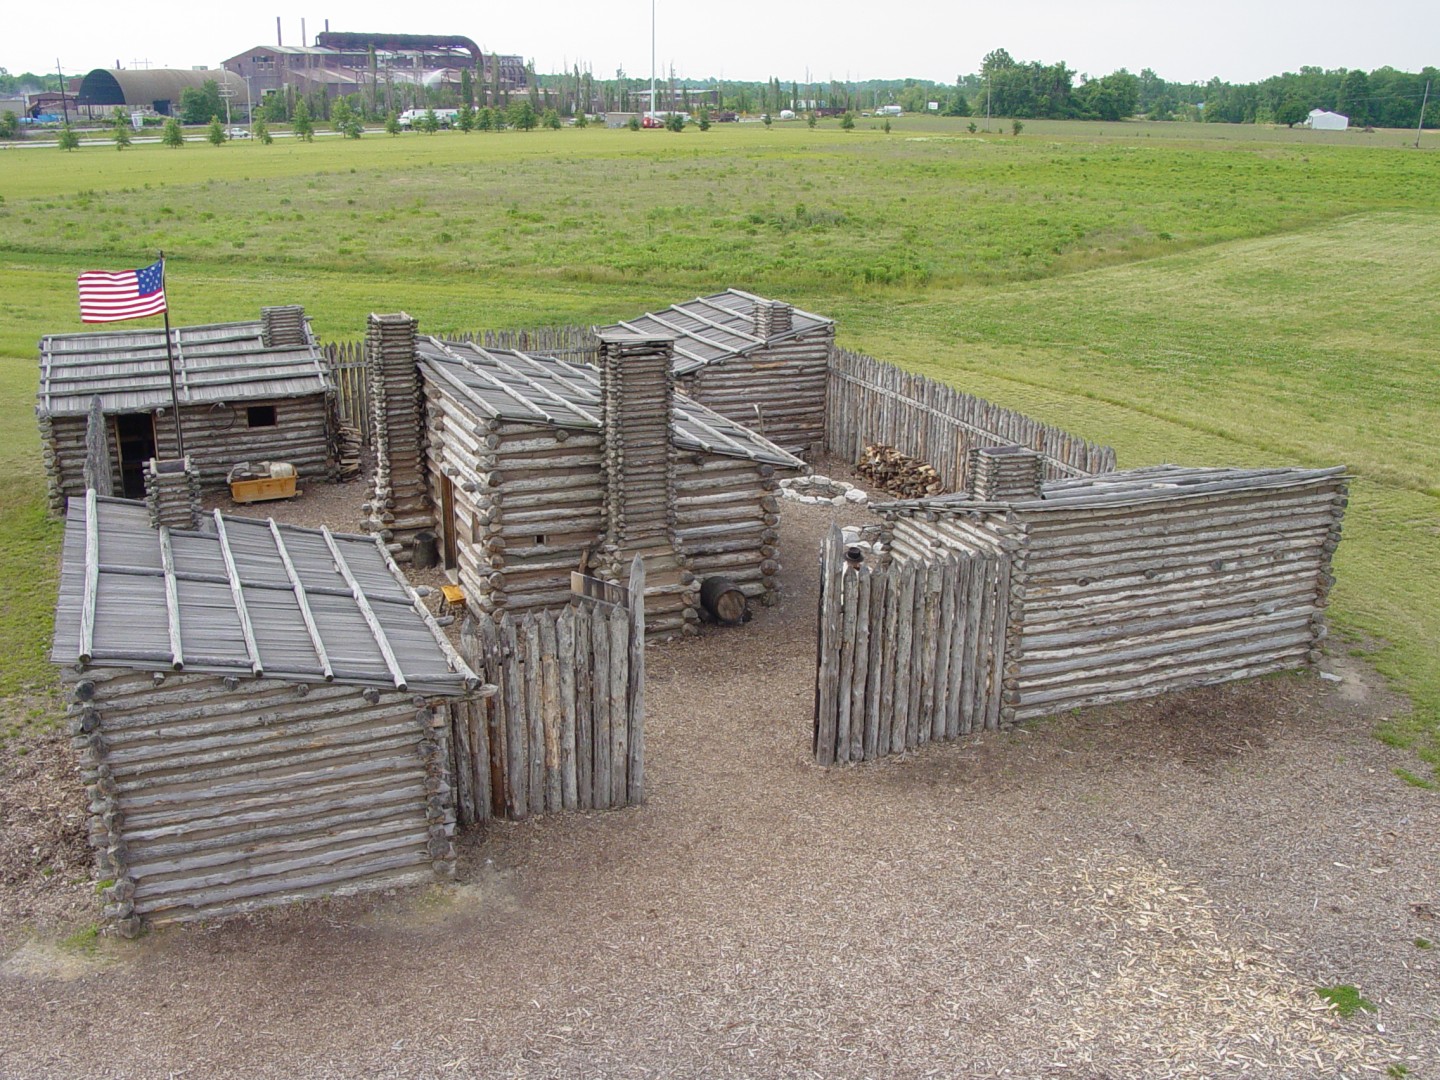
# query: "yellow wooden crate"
263, 490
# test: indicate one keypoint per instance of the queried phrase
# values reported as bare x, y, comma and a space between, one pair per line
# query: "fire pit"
821, 489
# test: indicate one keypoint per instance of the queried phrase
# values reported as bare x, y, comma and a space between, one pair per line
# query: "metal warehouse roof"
243, 597
221, 362
543, 389
1131, 487
710, 329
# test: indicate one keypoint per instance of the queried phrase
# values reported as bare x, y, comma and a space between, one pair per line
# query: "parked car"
238, 133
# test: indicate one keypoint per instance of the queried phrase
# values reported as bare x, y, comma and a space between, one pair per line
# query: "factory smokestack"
279, 41
303, 40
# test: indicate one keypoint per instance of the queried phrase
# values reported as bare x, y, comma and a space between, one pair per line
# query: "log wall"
1119, 603
210, 796
909, 652
872, 402
399, 505
215, 439
727, 521
566, 728
778, 391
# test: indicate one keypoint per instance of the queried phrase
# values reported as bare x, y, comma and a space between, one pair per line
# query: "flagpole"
170, 365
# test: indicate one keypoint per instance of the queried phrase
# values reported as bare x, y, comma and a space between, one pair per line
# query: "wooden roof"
1130, 487
710, 329
507, 385
243, 597
214, 363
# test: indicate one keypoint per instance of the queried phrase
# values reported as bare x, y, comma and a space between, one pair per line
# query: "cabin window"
540, 540
260, 416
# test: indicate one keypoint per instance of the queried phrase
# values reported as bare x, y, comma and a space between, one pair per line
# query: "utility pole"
1423, 102
65, 108
652, 57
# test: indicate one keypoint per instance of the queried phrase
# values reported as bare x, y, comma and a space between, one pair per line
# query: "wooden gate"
909, 653
566, 728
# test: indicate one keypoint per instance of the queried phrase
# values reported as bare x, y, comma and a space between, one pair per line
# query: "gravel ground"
1149, 890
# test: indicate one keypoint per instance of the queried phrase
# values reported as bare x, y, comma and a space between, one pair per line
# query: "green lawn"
1192, 293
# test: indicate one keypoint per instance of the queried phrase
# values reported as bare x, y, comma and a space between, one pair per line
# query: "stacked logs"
1005, 473
349, 444
898, 474
637, 386
172, 493
283, 326
399, 505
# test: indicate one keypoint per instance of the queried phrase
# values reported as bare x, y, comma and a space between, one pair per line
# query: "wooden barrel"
723, 600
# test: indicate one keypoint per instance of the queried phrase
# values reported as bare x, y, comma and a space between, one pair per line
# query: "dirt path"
1152, 890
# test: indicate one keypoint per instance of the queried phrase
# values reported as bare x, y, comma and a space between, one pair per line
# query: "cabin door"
135, 444
447, 524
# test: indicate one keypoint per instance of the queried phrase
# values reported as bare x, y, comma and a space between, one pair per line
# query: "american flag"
131, 294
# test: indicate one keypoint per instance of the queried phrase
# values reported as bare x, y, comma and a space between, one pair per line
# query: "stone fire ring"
821, 489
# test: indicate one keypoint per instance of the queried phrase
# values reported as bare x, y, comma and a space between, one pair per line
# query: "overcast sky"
746, 39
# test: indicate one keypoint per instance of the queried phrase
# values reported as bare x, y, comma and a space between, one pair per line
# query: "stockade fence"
574, 344
872, 402
908, 653
566, 728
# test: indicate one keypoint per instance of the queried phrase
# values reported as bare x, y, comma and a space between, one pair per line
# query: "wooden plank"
828, 645
534, 713
636, 706
584, 725
875, 639
551, 712
565, 657
600, 707
860, 663
619, 628
494, 721
517, 729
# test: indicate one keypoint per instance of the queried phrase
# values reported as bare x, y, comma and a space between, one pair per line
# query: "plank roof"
712, 329
1130, 487
507, 385
226, 362
243, 597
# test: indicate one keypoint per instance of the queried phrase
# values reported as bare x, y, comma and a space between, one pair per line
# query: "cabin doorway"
135, 444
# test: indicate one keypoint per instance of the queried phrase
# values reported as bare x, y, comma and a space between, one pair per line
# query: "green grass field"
1192, 293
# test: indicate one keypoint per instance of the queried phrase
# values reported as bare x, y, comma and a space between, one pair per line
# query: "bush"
69, 137
9, 125
634, 123
674, 122
262, 132
173, 135
215, 134
1016, 127
848, 121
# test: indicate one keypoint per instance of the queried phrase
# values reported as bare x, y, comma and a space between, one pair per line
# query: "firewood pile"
349, 444
899, 475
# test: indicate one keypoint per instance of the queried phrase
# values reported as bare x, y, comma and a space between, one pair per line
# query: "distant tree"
1354, 98
958, 105
521, 114
215, 133
9, 125
970, 127
467, 91
465, 121
767, 120
811, 120
392, 123
703, 121
340, 114
1291, 112
485, 119
69, 137
429, 122
173, 135
847, 122
1016, 127
885, 127
674, 122
633, 123
120, 124
273, 109
197, 106
550, 119
581, 120
262, 132
302, 125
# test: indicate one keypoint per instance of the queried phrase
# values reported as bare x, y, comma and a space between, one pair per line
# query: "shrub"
173, 135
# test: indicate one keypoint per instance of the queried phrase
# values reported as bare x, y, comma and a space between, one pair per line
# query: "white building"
1320, 120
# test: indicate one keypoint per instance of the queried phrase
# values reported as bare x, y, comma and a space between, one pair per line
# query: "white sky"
1238, 40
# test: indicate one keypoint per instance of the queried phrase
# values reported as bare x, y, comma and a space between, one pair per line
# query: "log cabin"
261, 712
762, 363
1141, 581
530, 468
247, 391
